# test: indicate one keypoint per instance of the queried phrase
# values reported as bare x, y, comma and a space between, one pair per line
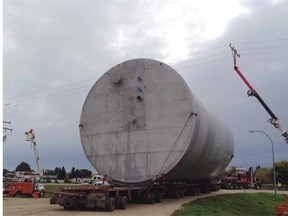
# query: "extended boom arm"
252, 92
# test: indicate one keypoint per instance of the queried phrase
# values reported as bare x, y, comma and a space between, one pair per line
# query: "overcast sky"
54, 51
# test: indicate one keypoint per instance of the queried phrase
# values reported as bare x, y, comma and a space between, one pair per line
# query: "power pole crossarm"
252, 92
9, 129
6, 129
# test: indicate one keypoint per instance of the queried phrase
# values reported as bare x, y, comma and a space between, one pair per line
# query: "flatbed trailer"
117, 197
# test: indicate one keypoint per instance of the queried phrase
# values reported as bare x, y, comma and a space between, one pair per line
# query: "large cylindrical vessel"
141, 121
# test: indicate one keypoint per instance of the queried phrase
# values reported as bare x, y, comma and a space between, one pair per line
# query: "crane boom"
252, 92
30, 136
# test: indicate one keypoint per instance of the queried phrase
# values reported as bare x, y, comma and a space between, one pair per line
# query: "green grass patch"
233, 204
53, 187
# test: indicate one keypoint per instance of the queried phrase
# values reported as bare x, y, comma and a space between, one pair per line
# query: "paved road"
33, 207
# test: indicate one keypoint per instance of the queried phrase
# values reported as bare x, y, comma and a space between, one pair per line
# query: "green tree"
56, 171
231, 171
23, 166
84, 173
62, 173
281, 169
264, 175
66, 180
48, 172
72, 174
77, 175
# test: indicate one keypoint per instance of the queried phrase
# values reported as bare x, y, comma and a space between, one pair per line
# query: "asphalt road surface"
41, 206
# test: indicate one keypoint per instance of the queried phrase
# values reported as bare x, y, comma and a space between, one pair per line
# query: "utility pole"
274, 120
5, 129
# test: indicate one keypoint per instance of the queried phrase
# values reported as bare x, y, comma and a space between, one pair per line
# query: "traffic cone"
36, 195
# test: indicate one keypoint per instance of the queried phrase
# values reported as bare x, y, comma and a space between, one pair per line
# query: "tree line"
265, 175
60, 172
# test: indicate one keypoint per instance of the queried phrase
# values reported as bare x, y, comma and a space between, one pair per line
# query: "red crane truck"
19, 189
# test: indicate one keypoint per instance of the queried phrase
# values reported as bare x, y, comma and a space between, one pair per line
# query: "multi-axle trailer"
117, 197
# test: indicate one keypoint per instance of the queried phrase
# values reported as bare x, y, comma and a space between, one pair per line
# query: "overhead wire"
197, 58
48, 89
199, 52
261, 41
54, 95
36, 97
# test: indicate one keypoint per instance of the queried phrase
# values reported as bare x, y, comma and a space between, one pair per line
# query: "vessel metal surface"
140, 121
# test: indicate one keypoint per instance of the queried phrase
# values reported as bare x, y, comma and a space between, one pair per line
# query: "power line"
34, 97
265, 53
198, 58
265, 47
48, 89
261, 41
197, 53
51, 96
204, 63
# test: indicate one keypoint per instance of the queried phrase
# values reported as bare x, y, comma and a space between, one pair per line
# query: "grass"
52, 187
233, 204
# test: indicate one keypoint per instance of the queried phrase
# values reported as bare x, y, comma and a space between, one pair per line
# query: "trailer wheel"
181, 193
192, 192
69, 203
176, 194
111, 204
18, 194
118, 202
123, 202
158, 198
151, 198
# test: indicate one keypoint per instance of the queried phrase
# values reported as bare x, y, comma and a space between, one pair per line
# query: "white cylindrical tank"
140, 121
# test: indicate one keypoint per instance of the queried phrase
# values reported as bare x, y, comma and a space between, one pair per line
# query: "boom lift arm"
30, 136
252, 92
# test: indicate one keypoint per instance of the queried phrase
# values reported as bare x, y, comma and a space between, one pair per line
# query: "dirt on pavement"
41, 206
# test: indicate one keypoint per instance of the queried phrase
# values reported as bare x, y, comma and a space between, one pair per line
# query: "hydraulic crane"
252, 92
30, 136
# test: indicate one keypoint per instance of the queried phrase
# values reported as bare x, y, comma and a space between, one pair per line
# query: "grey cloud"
54, 43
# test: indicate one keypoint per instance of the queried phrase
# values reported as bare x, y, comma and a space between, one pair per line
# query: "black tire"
159, 197
151, 199
123, 202
69, 203
176, 194
257, 186
18, 194
118, 202
111, 204
194, 192
181, 193
42, 193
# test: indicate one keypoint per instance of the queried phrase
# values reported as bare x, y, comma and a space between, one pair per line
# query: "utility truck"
28, 188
